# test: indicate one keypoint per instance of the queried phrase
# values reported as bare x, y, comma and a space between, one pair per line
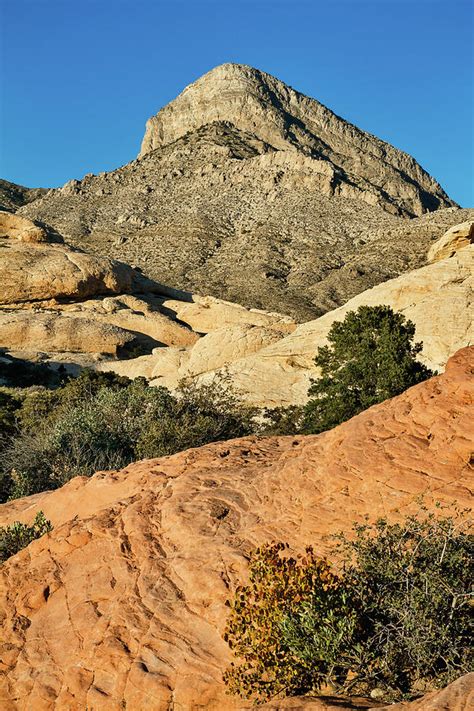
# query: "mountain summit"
355, 163
248, 191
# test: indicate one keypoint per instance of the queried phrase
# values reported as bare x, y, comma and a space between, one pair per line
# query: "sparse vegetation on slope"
394, 620
19, 535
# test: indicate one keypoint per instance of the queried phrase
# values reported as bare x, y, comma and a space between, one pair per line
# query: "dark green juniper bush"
282, 420
370, 357
395, 619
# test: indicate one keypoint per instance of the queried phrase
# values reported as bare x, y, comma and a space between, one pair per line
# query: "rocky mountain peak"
258, 103
248, 191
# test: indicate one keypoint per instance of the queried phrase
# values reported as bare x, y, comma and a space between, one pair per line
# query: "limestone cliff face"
250, 192
256, 102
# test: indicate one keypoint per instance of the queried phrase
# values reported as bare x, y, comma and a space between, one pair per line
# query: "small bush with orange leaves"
395, 621
279, 587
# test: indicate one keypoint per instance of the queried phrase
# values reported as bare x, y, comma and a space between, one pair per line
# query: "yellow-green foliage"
278, 586
397, 618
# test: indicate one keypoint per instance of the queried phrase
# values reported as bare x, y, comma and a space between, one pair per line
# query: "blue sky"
79, 78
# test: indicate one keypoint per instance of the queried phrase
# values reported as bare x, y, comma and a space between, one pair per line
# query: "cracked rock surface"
122, 604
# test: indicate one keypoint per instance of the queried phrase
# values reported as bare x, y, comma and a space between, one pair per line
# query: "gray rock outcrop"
252, 193
353, 162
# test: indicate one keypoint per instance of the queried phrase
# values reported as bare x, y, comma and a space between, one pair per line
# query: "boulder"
33, 271
165, 367
206, 313
136, 314
22, 229
452, 241
228, 344
230, 332
48, 332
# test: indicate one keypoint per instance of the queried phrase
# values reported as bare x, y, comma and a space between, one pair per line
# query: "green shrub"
411, 584
36, 408
9, 406
18, 535
370, 357
397, 618
282, 420
99, 421
278, 586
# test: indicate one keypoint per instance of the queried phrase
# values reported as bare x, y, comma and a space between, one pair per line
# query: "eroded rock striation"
123, 603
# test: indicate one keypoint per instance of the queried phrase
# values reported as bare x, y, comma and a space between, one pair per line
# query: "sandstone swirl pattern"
123, 603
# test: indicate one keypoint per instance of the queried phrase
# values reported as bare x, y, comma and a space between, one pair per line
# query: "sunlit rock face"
353, 162
123, 604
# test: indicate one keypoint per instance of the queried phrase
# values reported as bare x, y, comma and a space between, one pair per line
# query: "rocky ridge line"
257, 102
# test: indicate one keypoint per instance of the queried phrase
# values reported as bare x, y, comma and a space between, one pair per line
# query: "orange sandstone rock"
122, 605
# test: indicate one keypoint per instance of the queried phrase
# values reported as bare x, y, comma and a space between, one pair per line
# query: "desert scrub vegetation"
370, 357
394, 619
16, 536
102, 421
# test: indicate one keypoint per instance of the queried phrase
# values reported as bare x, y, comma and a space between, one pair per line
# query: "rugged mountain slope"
122, 605
354, 162
250, 192
13, 196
